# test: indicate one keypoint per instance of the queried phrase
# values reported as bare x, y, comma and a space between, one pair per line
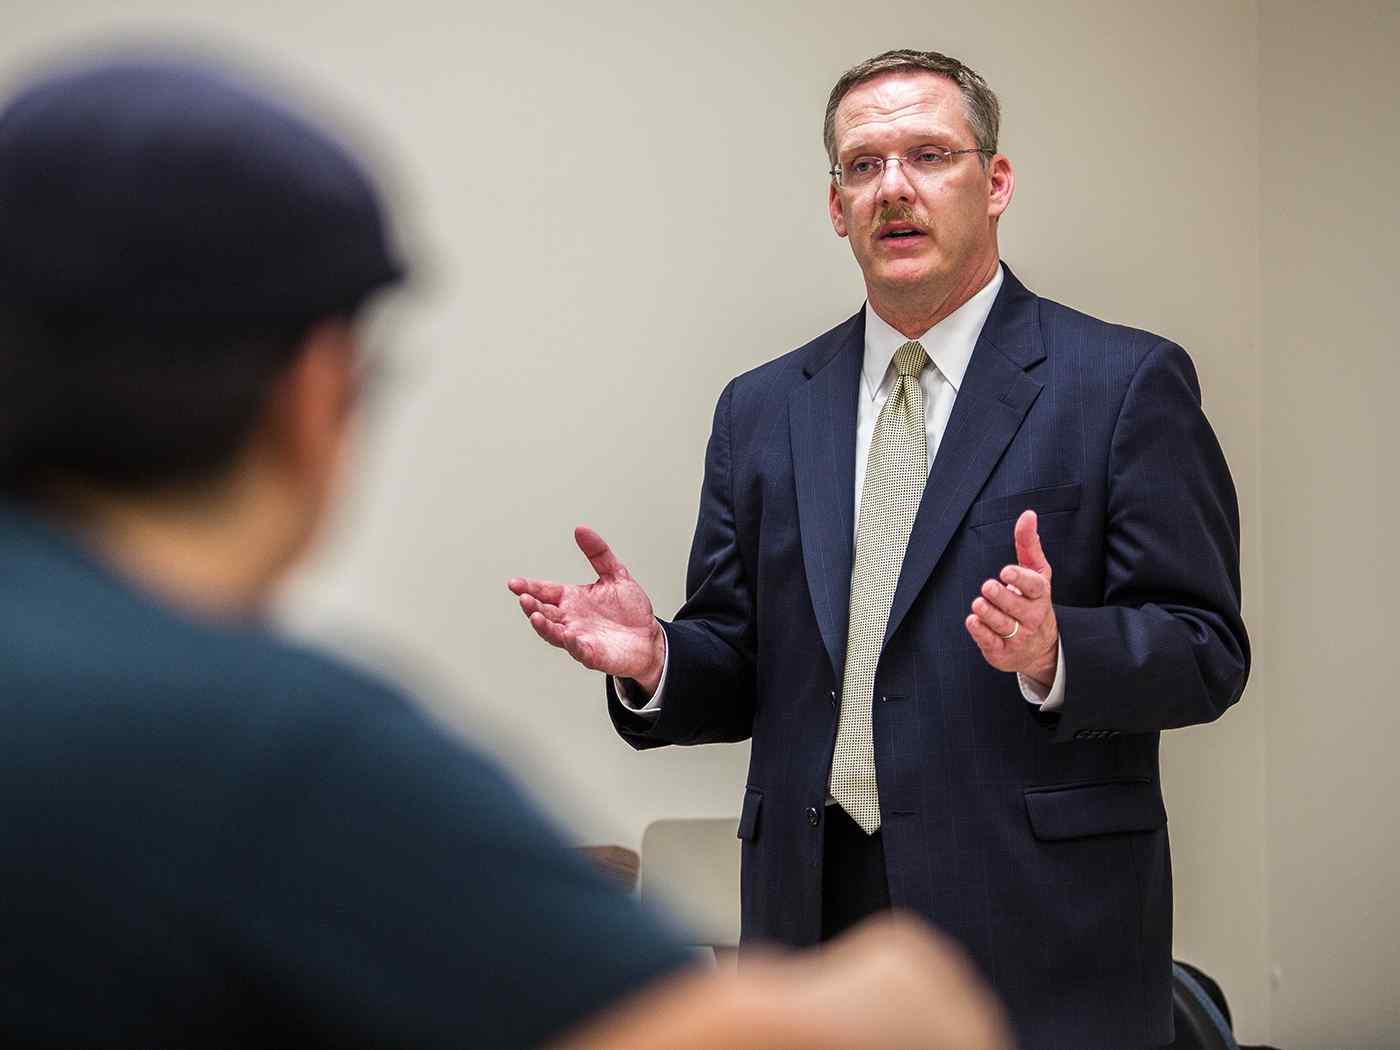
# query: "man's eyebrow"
923, 138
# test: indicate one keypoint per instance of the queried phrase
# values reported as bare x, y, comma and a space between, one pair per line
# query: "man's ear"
1001, 183
838, 217
309, 412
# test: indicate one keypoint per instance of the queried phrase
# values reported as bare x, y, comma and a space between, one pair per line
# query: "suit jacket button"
814, 816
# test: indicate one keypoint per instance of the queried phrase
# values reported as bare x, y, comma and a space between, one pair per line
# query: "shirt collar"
949, 343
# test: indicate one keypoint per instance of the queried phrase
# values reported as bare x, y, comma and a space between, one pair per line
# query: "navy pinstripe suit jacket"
1039, 841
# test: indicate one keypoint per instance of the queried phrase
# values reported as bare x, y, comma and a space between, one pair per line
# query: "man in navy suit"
959, 561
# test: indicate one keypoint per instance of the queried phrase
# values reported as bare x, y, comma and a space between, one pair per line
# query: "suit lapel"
995, 396
822, 419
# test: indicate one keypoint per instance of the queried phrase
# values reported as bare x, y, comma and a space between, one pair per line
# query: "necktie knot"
910, 359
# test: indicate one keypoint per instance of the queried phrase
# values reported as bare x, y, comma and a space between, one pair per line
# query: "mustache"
899, 212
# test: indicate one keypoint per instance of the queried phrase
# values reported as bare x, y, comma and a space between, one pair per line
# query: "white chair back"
691, 868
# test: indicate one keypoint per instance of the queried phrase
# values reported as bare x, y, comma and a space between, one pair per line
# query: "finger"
530, 604
1030, 584
989, 642
598, 553
552, 633
1029, 553
544, 590
1010, 602
993, 617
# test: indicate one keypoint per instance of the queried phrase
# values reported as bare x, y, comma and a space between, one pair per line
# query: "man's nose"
894, 183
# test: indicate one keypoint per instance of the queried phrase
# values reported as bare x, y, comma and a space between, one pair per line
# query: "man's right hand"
607, 625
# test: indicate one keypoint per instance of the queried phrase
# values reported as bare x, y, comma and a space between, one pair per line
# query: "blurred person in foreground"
212, 836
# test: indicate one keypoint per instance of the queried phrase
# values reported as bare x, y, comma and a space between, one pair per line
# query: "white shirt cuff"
1051, 699
626, 690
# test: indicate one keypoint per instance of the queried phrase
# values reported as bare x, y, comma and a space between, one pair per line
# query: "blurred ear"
309, 414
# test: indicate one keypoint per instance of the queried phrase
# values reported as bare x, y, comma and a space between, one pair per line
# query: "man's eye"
928, 156
864, 166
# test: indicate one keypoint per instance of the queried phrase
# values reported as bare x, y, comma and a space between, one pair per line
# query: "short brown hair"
983, 110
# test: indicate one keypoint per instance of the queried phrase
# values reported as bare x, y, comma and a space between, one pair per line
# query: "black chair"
1201, 1013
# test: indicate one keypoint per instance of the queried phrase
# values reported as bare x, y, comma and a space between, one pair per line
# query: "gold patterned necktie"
895, 474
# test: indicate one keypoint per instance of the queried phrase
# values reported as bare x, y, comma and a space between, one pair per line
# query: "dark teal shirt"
210, 836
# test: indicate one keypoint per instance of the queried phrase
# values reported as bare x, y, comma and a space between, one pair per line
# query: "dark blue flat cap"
158, 190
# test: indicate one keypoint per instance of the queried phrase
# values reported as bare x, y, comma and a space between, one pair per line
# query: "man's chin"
896, 275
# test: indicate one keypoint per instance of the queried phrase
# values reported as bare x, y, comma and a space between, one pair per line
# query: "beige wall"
618, 206
1330, 141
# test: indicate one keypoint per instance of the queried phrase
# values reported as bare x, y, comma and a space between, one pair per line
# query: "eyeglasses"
922, 161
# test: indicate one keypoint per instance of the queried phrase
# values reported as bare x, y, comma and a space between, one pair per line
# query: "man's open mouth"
897, 233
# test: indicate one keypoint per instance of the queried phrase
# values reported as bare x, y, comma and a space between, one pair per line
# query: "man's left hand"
1012, 621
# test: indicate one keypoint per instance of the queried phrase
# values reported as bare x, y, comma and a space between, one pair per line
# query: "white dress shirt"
949, 344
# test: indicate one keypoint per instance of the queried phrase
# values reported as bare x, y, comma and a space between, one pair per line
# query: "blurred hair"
129, 405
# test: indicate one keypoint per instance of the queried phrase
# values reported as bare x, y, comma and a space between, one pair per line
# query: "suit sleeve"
710, 678
1168, 646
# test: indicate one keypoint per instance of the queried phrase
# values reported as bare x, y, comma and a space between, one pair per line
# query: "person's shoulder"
274, 699
191, 722
92, 649
780, 374
1120, 357
1067, 330
296, 674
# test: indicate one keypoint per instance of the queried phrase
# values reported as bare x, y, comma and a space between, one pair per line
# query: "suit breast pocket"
993, 520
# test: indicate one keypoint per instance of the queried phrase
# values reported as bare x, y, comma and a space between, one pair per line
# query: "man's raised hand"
1013, 620
607, 625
